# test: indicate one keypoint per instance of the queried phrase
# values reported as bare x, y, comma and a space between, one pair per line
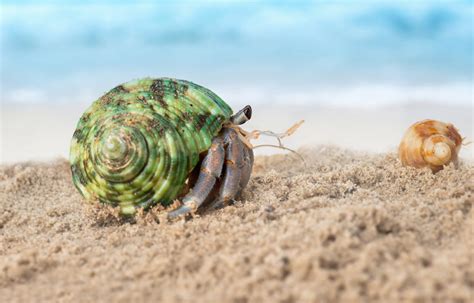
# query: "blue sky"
50, 50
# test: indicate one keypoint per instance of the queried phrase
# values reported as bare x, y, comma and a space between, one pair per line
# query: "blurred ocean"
348, 53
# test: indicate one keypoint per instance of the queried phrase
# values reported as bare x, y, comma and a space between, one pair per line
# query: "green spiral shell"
136, 145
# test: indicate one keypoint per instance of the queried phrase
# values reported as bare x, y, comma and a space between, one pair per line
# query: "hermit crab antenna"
290, 131
242, 116
279, 136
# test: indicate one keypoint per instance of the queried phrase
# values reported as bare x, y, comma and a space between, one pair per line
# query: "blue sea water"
358, 53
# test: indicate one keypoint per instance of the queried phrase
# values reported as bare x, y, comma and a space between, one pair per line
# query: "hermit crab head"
158, 141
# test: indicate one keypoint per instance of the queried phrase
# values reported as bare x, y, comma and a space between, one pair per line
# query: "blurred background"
359, 72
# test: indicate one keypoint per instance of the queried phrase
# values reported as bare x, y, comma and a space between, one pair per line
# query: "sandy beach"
347, 227
331, 216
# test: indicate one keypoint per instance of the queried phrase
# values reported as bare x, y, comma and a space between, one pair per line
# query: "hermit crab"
430, 143
161, 141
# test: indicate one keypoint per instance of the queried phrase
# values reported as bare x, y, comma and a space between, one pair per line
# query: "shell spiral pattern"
430, 143
136, 145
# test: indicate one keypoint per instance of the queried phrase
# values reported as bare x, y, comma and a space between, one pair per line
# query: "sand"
348, 227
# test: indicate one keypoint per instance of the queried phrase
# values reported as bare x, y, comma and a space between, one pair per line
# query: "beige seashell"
430, 143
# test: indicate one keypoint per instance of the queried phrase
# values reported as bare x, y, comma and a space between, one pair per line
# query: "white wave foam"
367, 95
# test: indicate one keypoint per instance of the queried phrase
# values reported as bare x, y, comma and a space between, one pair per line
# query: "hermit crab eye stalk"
242, 115
248, 111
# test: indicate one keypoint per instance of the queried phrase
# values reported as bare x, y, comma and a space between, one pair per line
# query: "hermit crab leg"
211, 169
234, 164
247, 166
